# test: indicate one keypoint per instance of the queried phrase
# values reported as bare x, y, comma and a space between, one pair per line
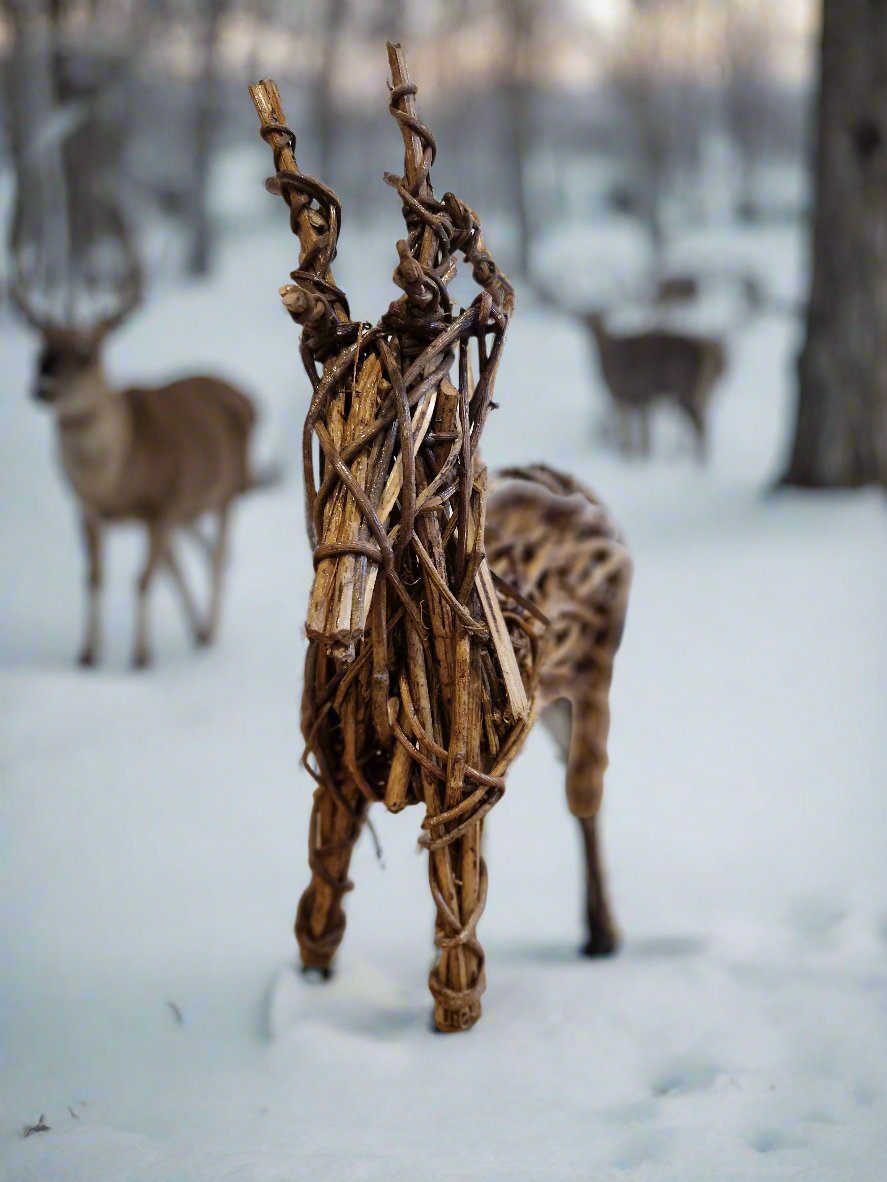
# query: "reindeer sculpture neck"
418, 686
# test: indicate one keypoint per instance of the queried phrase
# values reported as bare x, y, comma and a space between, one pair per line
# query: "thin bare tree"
747, 73
519, 19
653, 75
210, 18
333, 17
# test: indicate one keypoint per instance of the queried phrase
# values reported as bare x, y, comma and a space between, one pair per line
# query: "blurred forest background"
654, 159
546, 109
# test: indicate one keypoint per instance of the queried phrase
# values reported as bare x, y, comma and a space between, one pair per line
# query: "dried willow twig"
413, 689
39, 1127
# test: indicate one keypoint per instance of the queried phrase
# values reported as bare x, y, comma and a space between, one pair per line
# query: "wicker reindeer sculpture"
441, 619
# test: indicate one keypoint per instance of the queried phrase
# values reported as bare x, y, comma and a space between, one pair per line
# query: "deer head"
69, 363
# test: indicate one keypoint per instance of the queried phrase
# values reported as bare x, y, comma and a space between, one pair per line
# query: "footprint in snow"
643, 1147
684, 1074
771, 1140
818, 921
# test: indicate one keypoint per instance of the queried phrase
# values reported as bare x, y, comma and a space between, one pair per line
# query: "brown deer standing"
440, 622
162, 456
641, 369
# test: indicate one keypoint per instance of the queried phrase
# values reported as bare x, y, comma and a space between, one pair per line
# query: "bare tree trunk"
86, 152
334, 15
841, 430
15, 76
517, 96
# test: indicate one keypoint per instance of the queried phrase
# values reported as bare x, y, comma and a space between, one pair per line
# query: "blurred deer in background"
641, 369
658, 365
161, 455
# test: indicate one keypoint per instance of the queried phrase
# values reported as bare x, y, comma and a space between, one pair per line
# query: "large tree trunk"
841, 432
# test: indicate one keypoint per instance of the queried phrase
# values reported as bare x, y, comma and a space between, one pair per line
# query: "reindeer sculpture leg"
337, 817
459, 889
92, 536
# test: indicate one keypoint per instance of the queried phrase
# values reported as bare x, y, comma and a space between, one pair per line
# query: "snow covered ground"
154, 825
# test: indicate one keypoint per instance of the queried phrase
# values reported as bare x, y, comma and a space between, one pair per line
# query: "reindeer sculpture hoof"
455, 1019
317, 951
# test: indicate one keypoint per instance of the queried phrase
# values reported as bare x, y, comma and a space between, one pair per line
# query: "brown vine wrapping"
417, 687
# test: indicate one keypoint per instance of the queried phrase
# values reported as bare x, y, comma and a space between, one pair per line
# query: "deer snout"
45, 389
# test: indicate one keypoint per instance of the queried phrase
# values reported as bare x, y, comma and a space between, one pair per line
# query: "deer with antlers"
444, 615
162, 456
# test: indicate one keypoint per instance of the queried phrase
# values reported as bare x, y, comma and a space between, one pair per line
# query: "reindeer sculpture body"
162, 456
440, 622
641, 369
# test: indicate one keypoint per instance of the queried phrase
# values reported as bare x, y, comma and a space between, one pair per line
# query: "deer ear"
96, 335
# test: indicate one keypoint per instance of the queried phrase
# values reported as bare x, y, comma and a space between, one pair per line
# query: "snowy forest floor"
154, 825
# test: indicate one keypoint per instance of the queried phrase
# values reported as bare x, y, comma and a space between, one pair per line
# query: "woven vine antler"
418, 687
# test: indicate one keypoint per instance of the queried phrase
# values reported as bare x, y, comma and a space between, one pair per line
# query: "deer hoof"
87, 659
141, 660
316, 972
203, 637
602, 941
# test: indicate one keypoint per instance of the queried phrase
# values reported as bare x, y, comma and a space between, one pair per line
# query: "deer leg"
699, 422
218, 560
603, 935
157, 535
586, 765
694, 409
579, 731
188, 605
92, 536
644, 417
589, 729
196, 533
624, 423
337, 817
